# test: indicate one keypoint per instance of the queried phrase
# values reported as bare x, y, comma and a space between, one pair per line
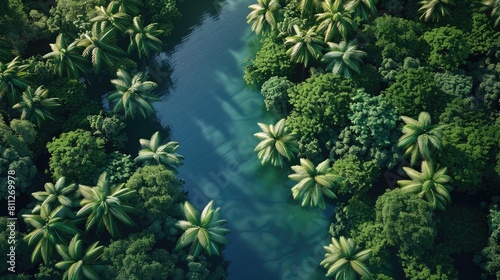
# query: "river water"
214, 116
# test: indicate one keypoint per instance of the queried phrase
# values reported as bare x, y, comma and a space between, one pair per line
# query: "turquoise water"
214, 116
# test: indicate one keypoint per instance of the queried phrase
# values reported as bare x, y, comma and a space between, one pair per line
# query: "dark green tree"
275, 94
449, 47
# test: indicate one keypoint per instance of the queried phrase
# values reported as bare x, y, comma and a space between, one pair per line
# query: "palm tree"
50, 229
421, 138
108, 19
313, 183
434, 10
79, 263
60, 194
265, 15
429, 183
132, 94
100, 46
309, 7
335, 21
203, 231
153, 152
344, 260
144, 39
494, 6
35, 106
11, 75
104, 205
364, 9
344, 58
67, 59
306, 46
130, 7
277, 142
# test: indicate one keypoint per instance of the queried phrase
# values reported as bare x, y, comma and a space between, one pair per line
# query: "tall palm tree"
434, 10
313, 183
35, 105
494, 6
429, 183
144, 38
50, 230
11, 75
153, 152
364, 9
80, 263
133, 94
264, 15
344, 260
67, 58
335, 21
277, 143
130, 7
421, 138
203, 231
306, 46
100, 46
61, 194
344, 58
104, 205
106, 18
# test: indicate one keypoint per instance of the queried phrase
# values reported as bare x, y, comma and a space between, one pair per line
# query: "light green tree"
203, 231
59, 194
277, 143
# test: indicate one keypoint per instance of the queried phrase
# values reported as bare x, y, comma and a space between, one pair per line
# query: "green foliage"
110, 127
482, 37
11, 78
271, 60
164, 12
489, 257
470, 145
144, 39
265, 16
398, 38
305, 45
153, 152
314, 182
434, 265
344, 58
434, 10
158, 194
72, 16
493, 6
137, 258
320, 107
449, 47
205, 231
489, 87
414, 91
35, 106
67, 59
335, 22
370, 79
371, 134
76, 155
359, 175
79, 263
276, 143
60, 196
275, 94
15, 154
454, 84
344, 260
119, 167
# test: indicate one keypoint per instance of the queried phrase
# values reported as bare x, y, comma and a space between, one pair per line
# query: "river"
214, 116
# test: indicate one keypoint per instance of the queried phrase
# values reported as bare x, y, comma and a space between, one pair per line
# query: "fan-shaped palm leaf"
433, 185
364, 9
344, 58
35, 105
434, 10
343, 260
264, 15
79, 263
153, 152
306, 46
144, 39
60, 194
277, 143
106, 18
335, 21
203, 231
11, 76
130, 7
67, 59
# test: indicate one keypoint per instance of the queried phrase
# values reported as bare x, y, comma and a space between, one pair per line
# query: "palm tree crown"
79, 263
35, 105
364, 9
264, 15
344, 260
67, 59
344, 58
429, 183
60, 194
313, 183
144, 38
108, 19
203, 231
50, 229
434, 10
494, 6
132, 94
421, 138
130, 7
335, 21
153, 152
306, 46
104, 205
277, 142
11, 75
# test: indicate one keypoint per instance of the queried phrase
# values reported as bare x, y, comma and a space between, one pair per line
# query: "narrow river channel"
214, 116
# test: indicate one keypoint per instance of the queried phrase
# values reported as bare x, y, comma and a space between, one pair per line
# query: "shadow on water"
214, 116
